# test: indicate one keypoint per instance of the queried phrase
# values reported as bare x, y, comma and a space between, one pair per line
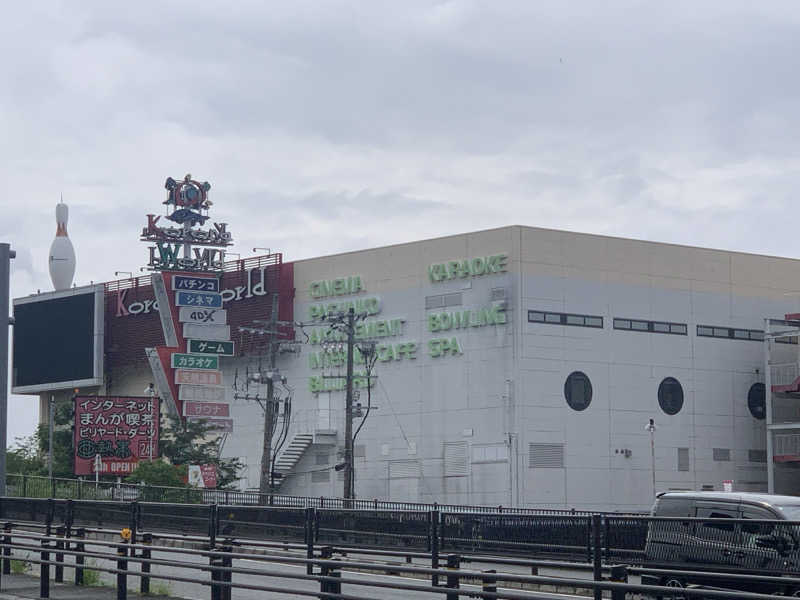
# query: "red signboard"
206, 409
192, 377
203, 476
121, 429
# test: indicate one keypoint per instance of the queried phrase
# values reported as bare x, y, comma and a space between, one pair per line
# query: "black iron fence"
29, 486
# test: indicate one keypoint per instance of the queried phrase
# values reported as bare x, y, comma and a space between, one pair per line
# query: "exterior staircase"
293, 453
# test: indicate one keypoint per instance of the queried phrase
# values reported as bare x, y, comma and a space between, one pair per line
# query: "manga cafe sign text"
255, 286
120, 429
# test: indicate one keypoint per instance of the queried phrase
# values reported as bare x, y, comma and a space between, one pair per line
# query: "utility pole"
6, 254
50, 425
265, 481
349, 491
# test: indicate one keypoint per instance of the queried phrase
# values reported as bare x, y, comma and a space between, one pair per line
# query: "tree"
159, 473
194, 443
63, 453
25, 458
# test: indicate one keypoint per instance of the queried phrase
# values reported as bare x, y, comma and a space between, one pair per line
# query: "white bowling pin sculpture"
62, 254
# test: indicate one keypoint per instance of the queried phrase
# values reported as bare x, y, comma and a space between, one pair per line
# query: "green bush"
90, 576
19, 567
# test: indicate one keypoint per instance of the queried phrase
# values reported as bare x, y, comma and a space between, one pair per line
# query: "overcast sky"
332, 126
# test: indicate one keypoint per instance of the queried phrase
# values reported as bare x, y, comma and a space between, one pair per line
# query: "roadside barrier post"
213, 523
60, 532
325, 585
215, 562
7, 549
434, 544
597, 555
619, 573
309, 540
489, 584
144, 582
80, 547
44, 570
122, 565
453, 562
227, 563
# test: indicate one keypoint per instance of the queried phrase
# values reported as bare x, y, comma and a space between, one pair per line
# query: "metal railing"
29, 486
218, 566
241, 264
784, 374
730, 545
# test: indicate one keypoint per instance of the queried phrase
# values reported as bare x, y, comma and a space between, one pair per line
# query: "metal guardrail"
52, 552
651, 545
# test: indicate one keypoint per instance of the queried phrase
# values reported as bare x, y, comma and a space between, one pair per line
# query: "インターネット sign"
120, 429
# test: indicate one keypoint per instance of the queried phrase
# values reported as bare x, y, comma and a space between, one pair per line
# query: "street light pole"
651, 427
50, 424
6, 254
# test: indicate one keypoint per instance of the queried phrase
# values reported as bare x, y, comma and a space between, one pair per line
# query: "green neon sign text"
386, 352
444, 347
363, 330
341, 286
467, 318
474, 267
362, 306
318, 383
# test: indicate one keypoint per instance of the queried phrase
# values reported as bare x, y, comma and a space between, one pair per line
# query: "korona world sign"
255, 284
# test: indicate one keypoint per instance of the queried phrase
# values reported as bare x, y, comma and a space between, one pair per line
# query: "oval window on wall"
757, 401
670, 396
578, 391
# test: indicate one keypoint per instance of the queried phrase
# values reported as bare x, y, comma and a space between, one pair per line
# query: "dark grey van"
770, 545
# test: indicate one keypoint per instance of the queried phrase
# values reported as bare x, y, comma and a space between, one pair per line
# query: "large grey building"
523, 366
